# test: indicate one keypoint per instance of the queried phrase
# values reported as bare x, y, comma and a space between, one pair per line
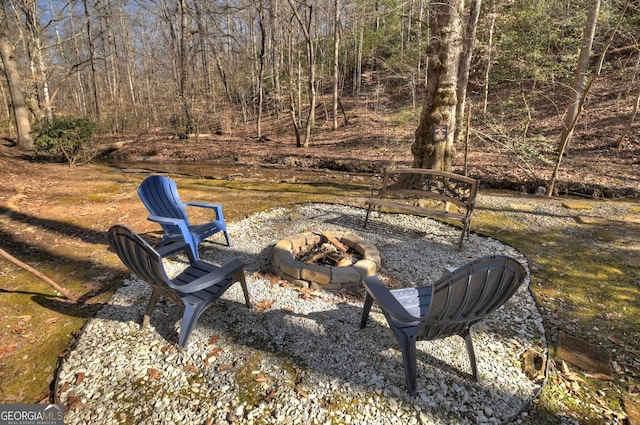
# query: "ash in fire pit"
325, 260
330, 253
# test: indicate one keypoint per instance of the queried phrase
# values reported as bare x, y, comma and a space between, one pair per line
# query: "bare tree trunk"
311, 77
433, 144
292, 95
38, 67
204, 50
580, 76
463, 77
336, 53
10, 70
632, 117
260, 77
92, 57
580, 88
276, 32
183, 68
489, 59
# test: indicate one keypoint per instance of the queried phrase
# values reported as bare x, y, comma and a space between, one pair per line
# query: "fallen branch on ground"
68, 295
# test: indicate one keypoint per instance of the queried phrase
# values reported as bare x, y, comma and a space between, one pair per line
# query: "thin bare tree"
11, 72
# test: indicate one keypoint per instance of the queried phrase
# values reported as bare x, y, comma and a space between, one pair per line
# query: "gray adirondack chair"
195, 288
454, 303
160, 195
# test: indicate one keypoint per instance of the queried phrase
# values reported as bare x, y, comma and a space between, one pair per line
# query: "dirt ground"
592, 167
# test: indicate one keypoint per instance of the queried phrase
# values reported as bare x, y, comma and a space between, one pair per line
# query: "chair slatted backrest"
160, 195
141, 259
469, 293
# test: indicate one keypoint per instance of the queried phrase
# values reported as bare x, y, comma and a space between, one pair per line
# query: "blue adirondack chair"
160, 195
454, 303
195, 288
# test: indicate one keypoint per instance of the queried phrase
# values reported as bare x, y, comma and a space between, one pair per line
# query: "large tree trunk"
10, 67
434, 137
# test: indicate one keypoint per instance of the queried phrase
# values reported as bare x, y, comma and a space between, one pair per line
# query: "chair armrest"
216, 207
172, 248
387, 302
166, 220
178, 222
219, 275
203, 205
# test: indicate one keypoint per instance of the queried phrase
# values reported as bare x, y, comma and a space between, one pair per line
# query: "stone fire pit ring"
317, 276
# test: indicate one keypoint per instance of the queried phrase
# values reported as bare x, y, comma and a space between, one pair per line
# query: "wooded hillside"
193, 67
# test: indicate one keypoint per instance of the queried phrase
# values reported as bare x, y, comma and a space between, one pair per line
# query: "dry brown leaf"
223, 367
166, 348
190, 368
600, 376
214, 353
264, 304
79, 377
573, 377
43, 395
72, 400
261, 378
214, 339
153, 373
10, 348
270, 396
52, 320
615, 340
64, 387
301, 392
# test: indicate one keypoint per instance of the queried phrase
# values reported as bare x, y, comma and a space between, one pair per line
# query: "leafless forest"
189, 67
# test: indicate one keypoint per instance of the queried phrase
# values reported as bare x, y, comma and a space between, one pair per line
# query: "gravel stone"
312, 363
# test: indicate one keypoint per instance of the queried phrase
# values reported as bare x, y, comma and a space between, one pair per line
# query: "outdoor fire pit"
325, 260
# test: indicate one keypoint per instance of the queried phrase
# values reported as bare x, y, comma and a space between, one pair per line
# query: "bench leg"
366, 218
461, 239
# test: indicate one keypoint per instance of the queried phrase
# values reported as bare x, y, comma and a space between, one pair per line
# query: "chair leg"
152, 303
408, 348
472, 355
189, 319
368, 301
226, 236
193, 244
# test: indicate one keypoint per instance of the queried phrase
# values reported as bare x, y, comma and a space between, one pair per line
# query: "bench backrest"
426, 183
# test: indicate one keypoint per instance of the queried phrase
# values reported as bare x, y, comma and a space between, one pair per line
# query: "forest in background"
201, 67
